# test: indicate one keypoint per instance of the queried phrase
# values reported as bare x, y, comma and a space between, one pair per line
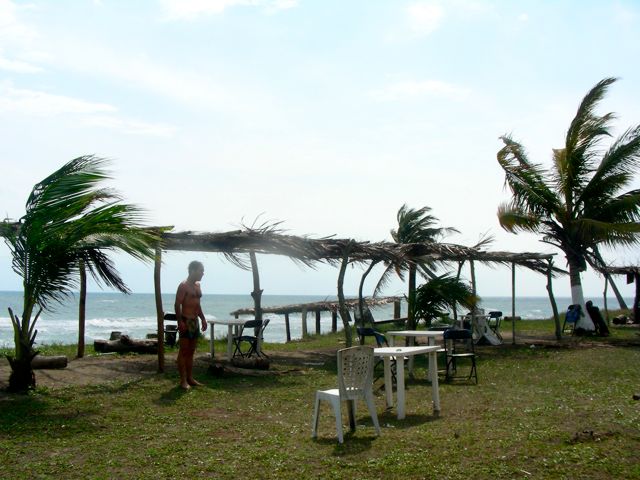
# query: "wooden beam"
317, 322
304, 323
513, 303
334, 321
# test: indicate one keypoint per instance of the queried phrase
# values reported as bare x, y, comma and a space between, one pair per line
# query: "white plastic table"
430, 335
230, 323
387, 353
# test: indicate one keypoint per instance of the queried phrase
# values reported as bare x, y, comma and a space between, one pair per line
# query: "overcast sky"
326, 115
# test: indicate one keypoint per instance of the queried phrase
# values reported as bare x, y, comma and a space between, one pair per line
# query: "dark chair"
494, 320
458, 346
381, 341
170, 331
251, 340
253, 349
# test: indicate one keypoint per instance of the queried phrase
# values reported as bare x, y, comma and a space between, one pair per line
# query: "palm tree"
581, 202
69, 221
433, 298
414, 226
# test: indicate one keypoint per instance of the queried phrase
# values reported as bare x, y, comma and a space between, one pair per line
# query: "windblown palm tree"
414, 226
581, 202
69, 220
435, 297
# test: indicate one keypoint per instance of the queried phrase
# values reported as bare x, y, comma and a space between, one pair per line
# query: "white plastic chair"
355, 380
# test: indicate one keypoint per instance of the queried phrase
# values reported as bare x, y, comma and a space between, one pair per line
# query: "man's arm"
177, 306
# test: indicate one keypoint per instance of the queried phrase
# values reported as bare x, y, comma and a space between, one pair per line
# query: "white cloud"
46, 104
192, 9
12, 30
132, 127
18, 66
424, 17
523, 17
413, 88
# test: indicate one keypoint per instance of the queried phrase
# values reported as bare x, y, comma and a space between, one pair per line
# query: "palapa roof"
322, 306
631, 269
309, 251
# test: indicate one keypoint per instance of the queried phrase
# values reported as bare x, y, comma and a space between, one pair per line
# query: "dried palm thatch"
322, 306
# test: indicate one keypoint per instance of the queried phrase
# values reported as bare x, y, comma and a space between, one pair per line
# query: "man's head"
196, 269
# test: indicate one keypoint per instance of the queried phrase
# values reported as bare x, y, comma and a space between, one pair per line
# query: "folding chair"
241, 338
355, 380
381, 341
574, 312
494, 320
253, 349
459, 345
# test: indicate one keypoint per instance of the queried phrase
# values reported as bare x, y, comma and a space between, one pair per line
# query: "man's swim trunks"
192, 331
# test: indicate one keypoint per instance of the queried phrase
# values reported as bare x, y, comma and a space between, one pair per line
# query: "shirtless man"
188, 310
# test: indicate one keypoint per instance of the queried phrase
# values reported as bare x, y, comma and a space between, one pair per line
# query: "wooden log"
334, 321
304, 323
115, 335
396, 309
41, 362
258, 363
317, 322
125, 344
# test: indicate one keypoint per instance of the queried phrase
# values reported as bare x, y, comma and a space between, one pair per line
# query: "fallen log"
220, 370
126, 344
41, 362
256, 363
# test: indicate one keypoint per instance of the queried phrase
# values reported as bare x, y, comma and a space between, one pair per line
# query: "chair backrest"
355, 371
381, 340
264, 325
495, 314
457, 334
367, 316
574, 312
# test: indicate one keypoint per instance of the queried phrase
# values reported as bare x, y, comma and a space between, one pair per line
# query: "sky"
325, 115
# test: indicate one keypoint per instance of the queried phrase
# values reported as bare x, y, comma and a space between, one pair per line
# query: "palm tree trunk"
22, 377
577, 297
614, 287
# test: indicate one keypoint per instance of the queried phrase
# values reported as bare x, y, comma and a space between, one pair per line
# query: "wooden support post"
304, 323
396, 309
257, 292
287, 327
604, 299
344, 311
82, 309
317, 322
513, 303
159, 309
552, 299
334, 321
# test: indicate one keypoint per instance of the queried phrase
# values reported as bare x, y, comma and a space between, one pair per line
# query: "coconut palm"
414, 226
69, 220
439, 294
580, 203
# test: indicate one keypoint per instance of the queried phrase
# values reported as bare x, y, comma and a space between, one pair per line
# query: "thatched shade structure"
633, 275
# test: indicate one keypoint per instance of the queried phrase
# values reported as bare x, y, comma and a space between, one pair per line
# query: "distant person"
188, 310
598, 322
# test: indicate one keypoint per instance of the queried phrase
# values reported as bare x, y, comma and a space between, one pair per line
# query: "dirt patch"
108, 368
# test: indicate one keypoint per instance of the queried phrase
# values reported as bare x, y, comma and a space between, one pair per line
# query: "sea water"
135, 314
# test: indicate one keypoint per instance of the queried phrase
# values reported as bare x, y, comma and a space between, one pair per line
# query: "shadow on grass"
389, 419
173, 395
354, 444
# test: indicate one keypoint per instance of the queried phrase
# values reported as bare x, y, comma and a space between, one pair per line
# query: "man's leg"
183, 353
189, 369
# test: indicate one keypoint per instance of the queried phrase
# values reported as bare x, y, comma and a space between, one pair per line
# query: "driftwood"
220, 370
257, 363
126, 344
52, 362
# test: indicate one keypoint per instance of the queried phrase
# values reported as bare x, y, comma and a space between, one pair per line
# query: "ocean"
135, 314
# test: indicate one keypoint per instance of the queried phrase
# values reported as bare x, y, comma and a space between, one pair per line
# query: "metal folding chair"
251, 340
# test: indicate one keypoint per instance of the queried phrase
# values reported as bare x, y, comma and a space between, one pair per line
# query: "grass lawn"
542, 412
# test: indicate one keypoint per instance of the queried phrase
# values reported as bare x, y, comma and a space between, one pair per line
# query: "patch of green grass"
544, 412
